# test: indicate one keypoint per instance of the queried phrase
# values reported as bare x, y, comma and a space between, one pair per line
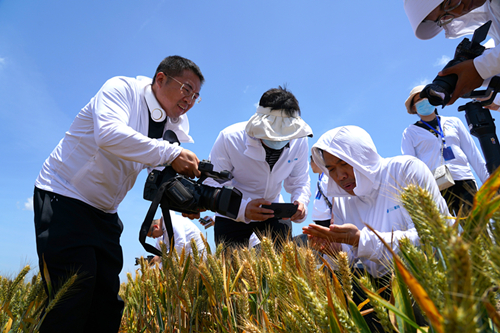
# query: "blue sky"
348, 63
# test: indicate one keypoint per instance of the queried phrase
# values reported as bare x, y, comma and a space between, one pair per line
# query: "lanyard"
322, 194
439, 131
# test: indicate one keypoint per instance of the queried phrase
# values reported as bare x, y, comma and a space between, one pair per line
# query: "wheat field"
451, 280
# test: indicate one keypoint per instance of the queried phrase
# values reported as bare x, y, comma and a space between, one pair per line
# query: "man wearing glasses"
459, 18
77, 193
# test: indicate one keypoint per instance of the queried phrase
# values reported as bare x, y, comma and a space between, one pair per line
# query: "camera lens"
225, 200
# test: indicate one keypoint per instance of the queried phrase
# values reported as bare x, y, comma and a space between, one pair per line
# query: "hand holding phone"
206, 221
282, 210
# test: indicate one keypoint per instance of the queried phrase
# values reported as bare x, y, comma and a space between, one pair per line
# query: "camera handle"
146, 225
482, 125
201, 179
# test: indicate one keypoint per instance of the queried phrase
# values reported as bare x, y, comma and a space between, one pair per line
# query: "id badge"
448, 154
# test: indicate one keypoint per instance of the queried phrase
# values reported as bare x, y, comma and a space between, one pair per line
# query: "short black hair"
280, 99
176, 65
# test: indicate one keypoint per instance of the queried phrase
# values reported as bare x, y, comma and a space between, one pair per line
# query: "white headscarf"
354, 146
276, 125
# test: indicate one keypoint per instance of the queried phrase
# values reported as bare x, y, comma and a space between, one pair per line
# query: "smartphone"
204, 221
207, 222
282, 210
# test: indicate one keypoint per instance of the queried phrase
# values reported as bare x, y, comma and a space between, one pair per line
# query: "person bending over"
265, 154
81, 184
366, 189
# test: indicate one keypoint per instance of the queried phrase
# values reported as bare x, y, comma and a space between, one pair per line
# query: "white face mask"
277, 145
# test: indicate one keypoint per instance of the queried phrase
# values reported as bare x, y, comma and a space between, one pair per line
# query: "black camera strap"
146, 225
155, 129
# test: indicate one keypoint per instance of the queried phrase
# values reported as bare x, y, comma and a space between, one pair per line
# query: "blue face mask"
424, 108
277, 145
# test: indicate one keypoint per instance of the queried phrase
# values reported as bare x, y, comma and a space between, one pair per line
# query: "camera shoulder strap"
146, 225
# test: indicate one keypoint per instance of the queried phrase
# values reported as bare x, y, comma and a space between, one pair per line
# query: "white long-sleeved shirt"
376, 201
234, 150
425, 146
106, 147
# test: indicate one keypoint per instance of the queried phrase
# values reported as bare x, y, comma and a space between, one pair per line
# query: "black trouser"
460, 195
234, 233
73, 237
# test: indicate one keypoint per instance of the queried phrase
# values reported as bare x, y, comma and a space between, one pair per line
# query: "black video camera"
187, 196
439, 91
481, 123
170, 190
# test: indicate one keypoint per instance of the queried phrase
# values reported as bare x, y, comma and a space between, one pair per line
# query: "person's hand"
300, 213
156, 259
345, 233
255, 212
317, 231
468, 78
207, 222
324, 245
193, 216
187, 164
493, 107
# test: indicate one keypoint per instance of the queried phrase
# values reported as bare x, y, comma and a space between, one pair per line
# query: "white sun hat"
409, 100
417, 11
275, 125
